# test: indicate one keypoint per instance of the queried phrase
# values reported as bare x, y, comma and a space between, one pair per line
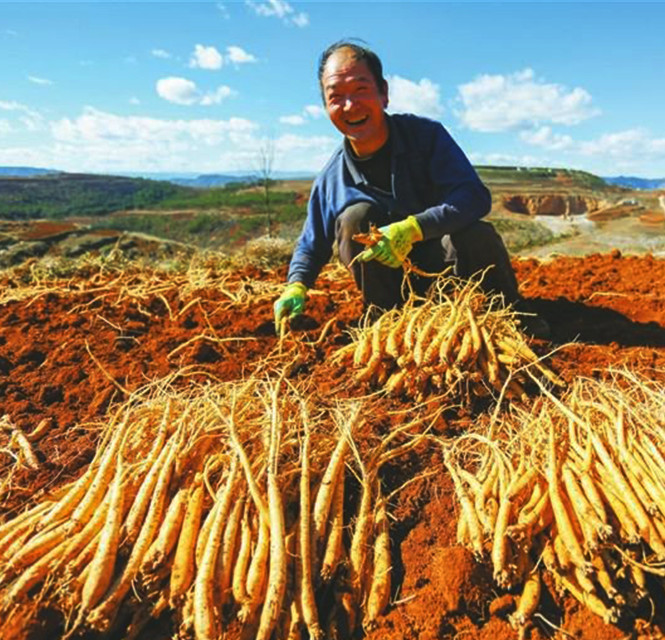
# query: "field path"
661, 200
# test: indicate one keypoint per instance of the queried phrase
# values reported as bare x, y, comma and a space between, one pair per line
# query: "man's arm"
313, 250
314, 247
464, 199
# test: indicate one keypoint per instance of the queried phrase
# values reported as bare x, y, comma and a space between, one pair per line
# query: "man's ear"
384, 94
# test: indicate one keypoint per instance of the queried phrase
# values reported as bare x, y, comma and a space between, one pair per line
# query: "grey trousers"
468, 251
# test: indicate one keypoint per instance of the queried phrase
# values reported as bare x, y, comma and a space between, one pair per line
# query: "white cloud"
223, 10
636, 143
290, 142
219, 95
291, 152
206, 58
134, 100
108, 142
210, 57
38, 80
161, 53
546, 138
629, 146
295, 120
11, 106
99, 126
178, 90
32, 123
26, 156
493, 103
185, 92
32, 120
421, 98
279, 9
303, 153
5, 127
314, 111
237, 55
300, 19
309, 112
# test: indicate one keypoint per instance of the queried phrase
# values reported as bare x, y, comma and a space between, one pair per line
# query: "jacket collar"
397, 148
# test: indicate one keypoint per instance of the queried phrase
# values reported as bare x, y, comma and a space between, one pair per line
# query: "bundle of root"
226, 508
458, 339
577, 482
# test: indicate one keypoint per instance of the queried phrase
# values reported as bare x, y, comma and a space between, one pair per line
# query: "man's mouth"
358, 122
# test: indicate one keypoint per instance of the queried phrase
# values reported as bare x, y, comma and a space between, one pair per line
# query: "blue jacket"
431, 178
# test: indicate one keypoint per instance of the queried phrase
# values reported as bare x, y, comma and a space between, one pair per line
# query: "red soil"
68, 355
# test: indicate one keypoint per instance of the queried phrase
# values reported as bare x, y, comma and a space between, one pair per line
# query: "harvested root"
455, 343
587, 502
185, 506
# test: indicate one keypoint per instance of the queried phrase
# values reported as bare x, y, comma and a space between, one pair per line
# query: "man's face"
354, 102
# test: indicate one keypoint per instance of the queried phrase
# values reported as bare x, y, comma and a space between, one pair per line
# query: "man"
403, 174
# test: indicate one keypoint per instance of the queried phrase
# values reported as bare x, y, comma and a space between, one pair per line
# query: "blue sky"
202, 87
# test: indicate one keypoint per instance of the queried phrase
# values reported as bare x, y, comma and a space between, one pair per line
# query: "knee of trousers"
481, 235
356, 218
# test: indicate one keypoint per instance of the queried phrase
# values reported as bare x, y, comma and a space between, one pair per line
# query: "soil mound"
551, 204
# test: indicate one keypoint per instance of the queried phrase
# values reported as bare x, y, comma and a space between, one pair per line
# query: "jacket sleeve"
314, 247
461, 197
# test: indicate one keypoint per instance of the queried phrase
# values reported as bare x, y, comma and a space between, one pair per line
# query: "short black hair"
362, 53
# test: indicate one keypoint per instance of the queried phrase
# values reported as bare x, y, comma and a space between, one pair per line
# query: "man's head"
355, 95
361, 54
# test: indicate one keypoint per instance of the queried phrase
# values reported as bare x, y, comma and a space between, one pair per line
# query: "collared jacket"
431, 179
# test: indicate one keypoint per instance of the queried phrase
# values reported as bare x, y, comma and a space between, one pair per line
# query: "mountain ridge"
185, 179
634, 182
209, 180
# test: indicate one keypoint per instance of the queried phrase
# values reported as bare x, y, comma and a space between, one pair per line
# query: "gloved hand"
396, 243
291, 303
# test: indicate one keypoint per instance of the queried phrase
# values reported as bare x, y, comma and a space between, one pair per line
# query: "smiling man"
404, 174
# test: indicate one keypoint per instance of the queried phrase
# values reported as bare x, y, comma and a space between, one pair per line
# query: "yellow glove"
291, 303
395, 244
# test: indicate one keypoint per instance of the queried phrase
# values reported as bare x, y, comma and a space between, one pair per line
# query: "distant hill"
207, 181
198, 181
44, 193
62, 195
58, 195
552, 178
636, 183
210, 180
25, 171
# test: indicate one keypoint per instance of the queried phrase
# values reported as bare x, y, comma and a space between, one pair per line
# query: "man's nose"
349, 102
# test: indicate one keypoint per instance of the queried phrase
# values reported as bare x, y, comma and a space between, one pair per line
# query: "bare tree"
265, 161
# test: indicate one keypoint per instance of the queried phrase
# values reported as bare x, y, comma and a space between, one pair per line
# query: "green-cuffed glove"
396, 243
291, 303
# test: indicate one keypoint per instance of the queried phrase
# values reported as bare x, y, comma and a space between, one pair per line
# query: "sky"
212, 87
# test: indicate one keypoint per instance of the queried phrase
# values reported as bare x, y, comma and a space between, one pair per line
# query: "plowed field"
70, 350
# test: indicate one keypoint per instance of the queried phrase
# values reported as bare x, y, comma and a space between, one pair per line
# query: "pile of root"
572, 488
140, 545
225, 506
459, 341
